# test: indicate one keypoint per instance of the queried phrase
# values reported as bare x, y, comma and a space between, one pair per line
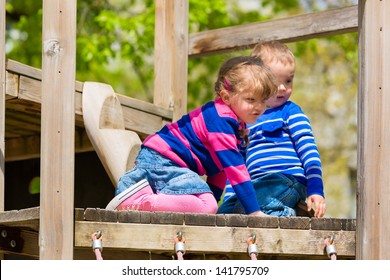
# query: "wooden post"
2, 102
373, 193
58, 129
171, 56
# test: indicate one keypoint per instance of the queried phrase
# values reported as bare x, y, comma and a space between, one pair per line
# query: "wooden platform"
23, 114
150, 235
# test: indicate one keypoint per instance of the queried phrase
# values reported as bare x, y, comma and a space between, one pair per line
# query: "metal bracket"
10, 239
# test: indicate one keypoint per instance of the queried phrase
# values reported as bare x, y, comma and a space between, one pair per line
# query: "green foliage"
24, 39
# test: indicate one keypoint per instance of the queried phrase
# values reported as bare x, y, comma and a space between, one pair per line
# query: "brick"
220, 220
200, 219
236, 220
145, 217
91, 214
177, 218
325, 224
348, 224
167, 218
79, 214
129, 217
294, 222
263, 222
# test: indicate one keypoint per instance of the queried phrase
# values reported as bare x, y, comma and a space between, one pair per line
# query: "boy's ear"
225, 96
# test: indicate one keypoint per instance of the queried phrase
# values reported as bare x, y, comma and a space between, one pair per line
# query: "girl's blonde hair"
246, 73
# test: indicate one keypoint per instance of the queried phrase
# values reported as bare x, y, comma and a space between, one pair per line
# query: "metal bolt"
4, 233
253, 238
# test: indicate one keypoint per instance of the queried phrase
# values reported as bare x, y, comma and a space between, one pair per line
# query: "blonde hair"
246, 73
274, 51
243, 73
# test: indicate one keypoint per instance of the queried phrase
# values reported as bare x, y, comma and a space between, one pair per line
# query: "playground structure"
55, 230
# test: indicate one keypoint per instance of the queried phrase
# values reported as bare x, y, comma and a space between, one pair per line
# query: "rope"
97, 246
180, 246
331, 248
253, 250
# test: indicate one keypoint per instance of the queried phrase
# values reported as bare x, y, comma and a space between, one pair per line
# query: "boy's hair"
273, 50
246, 73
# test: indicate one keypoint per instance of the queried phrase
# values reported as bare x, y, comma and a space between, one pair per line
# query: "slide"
116, 147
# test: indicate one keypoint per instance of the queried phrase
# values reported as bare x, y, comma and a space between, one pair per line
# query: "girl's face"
284, 75
247, 106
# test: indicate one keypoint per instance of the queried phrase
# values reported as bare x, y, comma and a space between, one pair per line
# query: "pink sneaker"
122, 201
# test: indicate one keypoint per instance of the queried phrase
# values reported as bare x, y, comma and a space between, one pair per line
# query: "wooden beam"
29, 147
23, 95
27, 221
25, 218
24, 83
153, 232
171, 56
30, 245
2, 102
154, 237
20, 69
373, 192
58, 129
289, 29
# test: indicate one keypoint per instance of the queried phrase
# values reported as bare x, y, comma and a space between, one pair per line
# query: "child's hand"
258, 213
319, 205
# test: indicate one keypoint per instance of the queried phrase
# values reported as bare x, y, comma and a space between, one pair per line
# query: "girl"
282, 157
204, 142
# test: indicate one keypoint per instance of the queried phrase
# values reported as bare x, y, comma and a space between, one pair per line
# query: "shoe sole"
117, 200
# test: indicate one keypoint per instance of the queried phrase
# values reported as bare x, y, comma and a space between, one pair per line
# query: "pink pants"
146, 200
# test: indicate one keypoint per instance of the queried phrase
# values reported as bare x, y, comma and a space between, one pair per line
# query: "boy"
282, 157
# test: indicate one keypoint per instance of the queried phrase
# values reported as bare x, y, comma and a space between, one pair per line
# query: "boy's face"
284, 75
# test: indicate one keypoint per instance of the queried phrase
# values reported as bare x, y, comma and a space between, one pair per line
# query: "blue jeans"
276, 193
163, 175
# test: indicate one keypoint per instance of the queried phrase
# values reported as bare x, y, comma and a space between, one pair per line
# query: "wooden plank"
11, 85
58, 126
171, 55
2, 101
108, 254
154, 237
28, 147
30, 245
24, 104
27, 221
25, 218
25, 122
144, 106
294, 242
373, 212
28, 72
16, 67
289, 29
29, 90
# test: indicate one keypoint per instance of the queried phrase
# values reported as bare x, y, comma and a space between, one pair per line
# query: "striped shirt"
282, 141
206, 141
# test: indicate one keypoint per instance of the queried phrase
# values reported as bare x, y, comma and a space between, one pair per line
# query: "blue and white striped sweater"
282, 141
